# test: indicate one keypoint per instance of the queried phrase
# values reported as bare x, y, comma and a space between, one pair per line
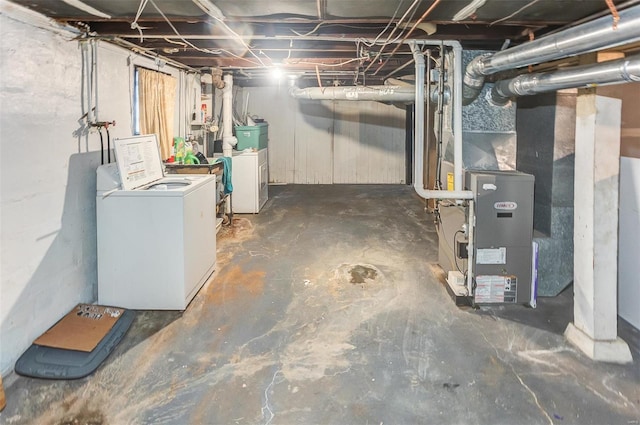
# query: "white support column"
597, 165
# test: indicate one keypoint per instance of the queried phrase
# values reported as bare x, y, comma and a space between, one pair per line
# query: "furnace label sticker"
491, 256
495, 289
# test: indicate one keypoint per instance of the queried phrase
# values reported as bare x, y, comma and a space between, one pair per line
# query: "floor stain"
233, 283
450, 386
359, 273
240, 230
84, 418
79, 415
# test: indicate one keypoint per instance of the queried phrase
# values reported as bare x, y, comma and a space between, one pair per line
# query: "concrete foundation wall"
48, 160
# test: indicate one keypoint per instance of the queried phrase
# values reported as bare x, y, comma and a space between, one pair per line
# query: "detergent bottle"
189, 157
178, 146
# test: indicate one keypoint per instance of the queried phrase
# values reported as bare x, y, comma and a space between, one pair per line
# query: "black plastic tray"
57, 363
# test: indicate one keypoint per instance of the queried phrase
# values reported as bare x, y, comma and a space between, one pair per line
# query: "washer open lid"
138, 160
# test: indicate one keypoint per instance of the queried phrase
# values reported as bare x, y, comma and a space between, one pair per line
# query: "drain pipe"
228, 140
418, 137
457, 121
583, 38
617, 71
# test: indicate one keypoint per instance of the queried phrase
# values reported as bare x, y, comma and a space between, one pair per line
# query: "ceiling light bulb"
276, 73
468, 10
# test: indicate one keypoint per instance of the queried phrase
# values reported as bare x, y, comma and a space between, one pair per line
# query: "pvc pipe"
470, 247
94, 78
228, 140
418, 139
457, 117
611, 72
418, 181
418, 123
427, 136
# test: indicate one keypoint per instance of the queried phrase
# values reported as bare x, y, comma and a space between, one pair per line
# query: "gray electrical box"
502, 236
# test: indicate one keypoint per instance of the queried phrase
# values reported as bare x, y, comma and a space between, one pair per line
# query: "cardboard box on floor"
82, 328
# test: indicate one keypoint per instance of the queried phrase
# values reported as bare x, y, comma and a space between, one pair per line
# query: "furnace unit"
502, 234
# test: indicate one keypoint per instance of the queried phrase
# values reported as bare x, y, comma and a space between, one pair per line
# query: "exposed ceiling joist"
300, 35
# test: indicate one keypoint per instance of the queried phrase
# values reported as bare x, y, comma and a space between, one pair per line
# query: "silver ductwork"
591, 36
386, 93
617, 71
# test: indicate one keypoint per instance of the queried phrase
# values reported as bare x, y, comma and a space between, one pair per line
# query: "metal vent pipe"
617, 71
590, 36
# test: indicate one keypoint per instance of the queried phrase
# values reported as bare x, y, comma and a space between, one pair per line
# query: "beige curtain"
157, 106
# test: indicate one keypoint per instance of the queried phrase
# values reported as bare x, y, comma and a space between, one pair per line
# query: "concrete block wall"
48, 258
48, 160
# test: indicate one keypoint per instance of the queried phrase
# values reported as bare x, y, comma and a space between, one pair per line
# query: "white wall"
629, 241
47, 173
325, 142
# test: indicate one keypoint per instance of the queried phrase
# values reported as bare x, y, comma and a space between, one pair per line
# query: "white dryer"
156, 234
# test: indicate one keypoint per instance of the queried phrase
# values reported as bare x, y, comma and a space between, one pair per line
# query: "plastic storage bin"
255, 136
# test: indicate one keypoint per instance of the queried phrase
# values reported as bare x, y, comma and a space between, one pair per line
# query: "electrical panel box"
502, 236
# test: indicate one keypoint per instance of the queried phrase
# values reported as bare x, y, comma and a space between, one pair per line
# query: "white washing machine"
156, 234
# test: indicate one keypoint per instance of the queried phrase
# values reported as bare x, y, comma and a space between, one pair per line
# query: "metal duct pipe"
386, 93
590, 36
618, 71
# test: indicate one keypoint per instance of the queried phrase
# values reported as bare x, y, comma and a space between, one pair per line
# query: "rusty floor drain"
360, 273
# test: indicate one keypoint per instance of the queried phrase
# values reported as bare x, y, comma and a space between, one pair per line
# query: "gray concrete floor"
326, 308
